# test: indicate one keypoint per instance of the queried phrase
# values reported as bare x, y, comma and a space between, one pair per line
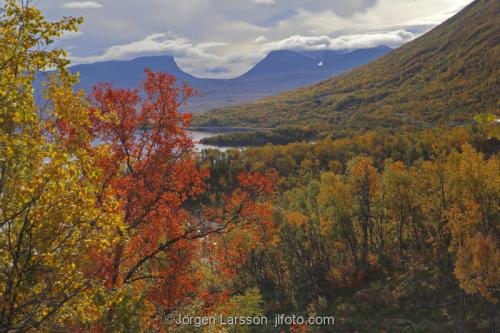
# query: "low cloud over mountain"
238, 34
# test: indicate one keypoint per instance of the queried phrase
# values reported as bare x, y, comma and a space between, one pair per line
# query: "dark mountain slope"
284, 67
441, 78
282, 63
343, 60
126, 74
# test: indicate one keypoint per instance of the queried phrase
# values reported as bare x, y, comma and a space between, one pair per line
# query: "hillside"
442, 78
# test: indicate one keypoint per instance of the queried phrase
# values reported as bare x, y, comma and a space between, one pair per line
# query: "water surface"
198, 136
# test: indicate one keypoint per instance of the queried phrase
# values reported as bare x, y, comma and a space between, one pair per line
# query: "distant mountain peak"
291, 62
126, 73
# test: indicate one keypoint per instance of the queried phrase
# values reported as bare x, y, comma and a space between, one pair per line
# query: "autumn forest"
111, 220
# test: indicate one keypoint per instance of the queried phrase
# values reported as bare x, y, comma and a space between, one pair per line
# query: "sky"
225, 38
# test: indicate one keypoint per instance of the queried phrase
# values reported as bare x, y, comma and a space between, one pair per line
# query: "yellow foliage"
50, 221
478, 266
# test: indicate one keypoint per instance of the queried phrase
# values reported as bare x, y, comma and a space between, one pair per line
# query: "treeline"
389, 232
279, 136
298, 162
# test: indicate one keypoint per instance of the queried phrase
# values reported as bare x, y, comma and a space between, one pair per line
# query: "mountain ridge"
260, 81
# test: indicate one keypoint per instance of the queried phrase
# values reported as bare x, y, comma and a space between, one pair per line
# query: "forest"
111, 221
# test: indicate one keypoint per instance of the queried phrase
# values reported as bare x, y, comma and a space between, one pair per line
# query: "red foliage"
150, 167
248, 212
296, 328
152, 170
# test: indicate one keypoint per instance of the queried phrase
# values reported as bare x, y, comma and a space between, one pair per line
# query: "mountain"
343, 61
442, 78
282, 62
305, 66
126, 74
277, 72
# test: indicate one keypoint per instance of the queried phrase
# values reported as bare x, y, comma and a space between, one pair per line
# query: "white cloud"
82, 5
265, 2
260, 39
437, 18
201, 58
71, 35
347, 42
159, 43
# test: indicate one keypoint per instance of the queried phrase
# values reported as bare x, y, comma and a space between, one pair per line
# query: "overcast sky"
224, 38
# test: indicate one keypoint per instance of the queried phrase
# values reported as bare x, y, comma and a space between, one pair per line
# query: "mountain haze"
444, 77
277, 72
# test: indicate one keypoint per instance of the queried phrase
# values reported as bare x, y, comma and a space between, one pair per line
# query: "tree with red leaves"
151, 169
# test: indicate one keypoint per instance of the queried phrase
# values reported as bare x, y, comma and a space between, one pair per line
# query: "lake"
198, 136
